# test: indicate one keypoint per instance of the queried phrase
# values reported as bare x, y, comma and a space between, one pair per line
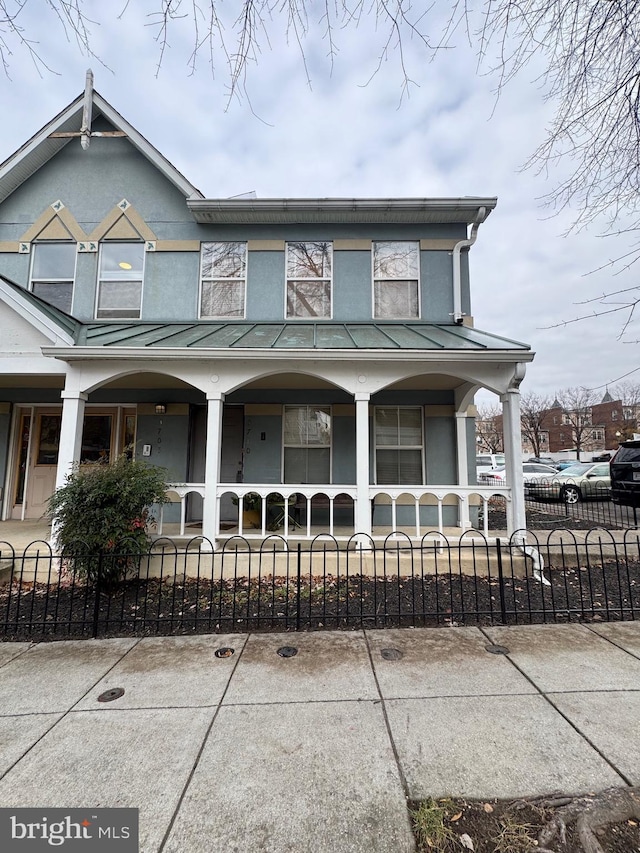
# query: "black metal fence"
170, 590
578, 505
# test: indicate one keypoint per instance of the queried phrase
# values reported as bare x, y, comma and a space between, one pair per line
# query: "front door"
106, 432
43, 463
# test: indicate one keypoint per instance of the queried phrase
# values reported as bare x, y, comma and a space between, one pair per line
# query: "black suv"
625, 474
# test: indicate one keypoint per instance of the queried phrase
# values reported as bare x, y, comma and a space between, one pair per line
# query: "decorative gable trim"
60, 131
56, 220
29, 311
122, 223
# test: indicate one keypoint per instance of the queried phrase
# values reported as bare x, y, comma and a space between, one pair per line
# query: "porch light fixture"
161, 409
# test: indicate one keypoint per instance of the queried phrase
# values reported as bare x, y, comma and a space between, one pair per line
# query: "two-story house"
320, 351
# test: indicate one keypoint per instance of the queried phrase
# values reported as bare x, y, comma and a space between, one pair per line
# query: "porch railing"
282, 505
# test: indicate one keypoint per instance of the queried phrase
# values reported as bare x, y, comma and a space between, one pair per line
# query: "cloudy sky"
338, 129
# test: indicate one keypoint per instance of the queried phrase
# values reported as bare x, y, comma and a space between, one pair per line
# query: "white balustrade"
280, 504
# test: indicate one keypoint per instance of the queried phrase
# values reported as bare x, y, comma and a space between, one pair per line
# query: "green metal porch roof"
282, 336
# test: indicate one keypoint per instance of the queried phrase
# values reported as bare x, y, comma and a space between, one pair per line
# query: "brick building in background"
598, 428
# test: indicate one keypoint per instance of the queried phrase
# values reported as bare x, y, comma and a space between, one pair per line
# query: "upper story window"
396, 265
399, 445
120, 280
53, 269
309, 269
223, 277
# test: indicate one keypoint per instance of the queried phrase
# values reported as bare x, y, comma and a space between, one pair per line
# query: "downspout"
457, 277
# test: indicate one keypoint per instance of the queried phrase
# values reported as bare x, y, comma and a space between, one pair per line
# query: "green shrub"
101, 516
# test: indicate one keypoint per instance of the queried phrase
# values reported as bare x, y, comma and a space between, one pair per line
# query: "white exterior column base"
516, 514
464, 519
211, 504
363, 501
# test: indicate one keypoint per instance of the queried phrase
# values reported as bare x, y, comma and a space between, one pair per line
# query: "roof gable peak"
71, 123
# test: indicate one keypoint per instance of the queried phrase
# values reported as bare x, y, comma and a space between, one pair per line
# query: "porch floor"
20, 534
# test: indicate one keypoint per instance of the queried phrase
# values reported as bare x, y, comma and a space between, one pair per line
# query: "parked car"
565, 463
488, 462
530, 471
543, 460
625, 474
580, 481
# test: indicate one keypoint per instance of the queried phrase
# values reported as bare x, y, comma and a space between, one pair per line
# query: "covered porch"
244, 441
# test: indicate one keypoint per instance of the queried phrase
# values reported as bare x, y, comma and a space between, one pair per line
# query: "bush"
101, 514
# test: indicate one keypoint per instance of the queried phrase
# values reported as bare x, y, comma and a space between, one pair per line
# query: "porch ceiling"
408, 336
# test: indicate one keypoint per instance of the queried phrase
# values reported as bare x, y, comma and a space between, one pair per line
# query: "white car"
487, 463
531, 471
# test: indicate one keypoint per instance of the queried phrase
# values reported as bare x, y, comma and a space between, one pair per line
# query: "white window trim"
51, 278
306, 446
374, 279
422, 448
99, 282
202, 279
310, 278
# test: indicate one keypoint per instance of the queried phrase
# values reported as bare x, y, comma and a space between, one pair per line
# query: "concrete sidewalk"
320, 751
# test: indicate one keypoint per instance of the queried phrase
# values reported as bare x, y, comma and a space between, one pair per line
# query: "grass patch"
431, 826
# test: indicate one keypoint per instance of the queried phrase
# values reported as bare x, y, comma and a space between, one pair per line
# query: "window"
53, 270
309, 268
307, 444
598, 435
399, 445
614, 414
224, 276
395, 279
120, 280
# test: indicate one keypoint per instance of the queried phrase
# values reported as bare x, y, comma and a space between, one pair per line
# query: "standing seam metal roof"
319, 336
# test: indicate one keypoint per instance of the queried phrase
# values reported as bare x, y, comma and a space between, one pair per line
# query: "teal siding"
262, 448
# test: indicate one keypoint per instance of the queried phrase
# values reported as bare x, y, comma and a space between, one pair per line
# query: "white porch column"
211, 507
463, 466
363, 507
70, 433
516, 516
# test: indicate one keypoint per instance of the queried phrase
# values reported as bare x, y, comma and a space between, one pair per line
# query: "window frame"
422, 447
100, 280
374, 280
202, 279
320, 281
327, 408
51, 279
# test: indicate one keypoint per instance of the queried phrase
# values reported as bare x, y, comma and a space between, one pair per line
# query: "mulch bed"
500, 826
610, 591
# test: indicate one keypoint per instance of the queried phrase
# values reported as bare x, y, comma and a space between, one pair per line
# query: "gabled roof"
53, 323
41, 148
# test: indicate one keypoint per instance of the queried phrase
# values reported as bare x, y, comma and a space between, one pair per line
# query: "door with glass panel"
105, 433
38, 482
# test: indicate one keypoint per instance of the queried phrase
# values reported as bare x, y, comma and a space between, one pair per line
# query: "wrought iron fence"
568, 576
578, 505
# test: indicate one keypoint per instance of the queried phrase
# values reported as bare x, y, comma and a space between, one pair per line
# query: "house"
318, 351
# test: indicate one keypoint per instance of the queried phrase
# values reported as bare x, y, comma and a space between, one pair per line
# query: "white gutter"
285, 354
457, 276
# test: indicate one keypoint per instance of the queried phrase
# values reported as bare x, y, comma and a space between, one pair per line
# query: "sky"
347, 127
